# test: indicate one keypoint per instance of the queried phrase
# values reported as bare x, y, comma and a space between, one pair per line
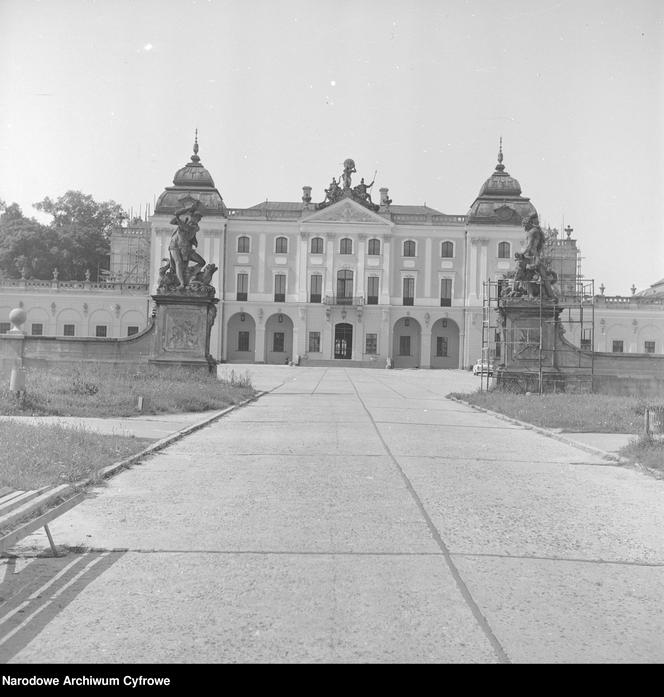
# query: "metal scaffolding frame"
575, 312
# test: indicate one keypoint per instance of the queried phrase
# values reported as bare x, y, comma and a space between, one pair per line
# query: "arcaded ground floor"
403, 337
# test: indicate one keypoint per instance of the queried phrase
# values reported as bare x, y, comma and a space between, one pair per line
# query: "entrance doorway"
343, 341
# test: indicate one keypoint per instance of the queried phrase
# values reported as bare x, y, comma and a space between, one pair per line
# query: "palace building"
348, 279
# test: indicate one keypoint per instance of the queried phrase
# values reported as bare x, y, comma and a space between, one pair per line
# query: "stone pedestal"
182, 331
529, 337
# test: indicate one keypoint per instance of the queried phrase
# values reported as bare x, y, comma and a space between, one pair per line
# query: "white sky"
104, 96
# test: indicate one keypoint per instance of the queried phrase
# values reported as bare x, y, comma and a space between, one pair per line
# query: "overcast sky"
104, 96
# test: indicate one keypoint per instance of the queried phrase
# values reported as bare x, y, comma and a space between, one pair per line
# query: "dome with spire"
191, 183
500, 200
193, 173
500, 183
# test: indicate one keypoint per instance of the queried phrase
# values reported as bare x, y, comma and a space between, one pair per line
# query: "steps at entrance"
342, 363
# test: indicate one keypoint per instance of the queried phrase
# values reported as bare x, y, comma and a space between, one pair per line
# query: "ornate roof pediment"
346, 211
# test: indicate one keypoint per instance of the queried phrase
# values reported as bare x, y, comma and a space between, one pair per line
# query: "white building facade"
346, 279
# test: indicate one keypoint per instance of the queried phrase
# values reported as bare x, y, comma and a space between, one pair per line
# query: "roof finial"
195, 157
500, 166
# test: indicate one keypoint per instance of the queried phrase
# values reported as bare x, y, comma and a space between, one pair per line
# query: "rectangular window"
404, 346
649, 347
316, 288
314, 342
280, 288
131, 330
242, 286
100, 330
4, 327
586, 339
69, 330
243, 341
371, 344
37, 329
618, 346
445, 292
408, 292
278, 342
441, 346
372, 290
496, 339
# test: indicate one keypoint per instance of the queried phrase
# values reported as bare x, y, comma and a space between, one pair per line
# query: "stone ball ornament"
17, 317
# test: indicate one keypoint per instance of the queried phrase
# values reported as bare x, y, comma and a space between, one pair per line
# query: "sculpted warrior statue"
349, 168
182, 244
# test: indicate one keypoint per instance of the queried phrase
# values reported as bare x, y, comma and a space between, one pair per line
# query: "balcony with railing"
344, 300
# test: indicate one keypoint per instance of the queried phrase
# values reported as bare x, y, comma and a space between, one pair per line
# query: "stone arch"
131, 318
70, 316
278, 339
406, 343
38, 315
445, 343
241, 348
100, 317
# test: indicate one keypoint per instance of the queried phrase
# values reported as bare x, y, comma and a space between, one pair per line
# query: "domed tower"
494, 233
192, 184
500, 201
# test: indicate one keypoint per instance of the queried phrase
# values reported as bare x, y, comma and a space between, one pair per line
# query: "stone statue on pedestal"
176, 275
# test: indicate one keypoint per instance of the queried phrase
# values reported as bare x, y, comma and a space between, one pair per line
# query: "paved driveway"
352, 515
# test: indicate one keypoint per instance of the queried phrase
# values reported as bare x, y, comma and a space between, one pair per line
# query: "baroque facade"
347, 279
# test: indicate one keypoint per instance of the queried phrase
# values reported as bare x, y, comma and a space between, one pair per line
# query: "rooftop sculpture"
359, 193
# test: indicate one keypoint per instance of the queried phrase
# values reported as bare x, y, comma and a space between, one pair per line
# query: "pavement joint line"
456, 575
83, 550
571, 560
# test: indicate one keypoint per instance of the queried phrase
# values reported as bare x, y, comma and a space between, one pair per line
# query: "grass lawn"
104, 391
577, 413
590, 413
41, 454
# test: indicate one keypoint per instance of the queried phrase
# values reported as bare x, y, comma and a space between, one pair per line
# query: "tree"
83, 226
26, 246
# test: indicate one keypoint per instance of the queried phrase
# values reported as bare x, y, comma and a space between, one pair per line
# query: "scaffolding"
552, 352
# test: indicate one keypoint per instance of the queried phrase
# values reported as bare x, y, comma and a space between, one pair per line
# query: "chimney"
384, 199
306, 194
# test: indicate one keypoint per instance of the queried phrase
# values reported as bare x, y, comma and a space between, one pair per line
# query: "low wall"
44, 351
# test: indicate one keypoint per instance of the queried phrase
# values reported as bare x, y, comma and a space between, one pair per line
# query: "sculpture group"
533, 276
177, 276
359, 193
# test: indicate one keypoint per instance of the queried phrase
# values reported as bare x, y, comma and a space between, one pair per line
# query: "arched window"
447, 250
344, 286
346, 246
374, 247
504, 250
243, 244
281, 246
409, 248
317, 245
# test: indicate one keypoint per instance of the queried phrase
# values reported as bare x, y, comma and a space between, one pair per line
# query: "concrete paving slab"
552, 611
492, 438
562, 510
200, 608
609, 442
